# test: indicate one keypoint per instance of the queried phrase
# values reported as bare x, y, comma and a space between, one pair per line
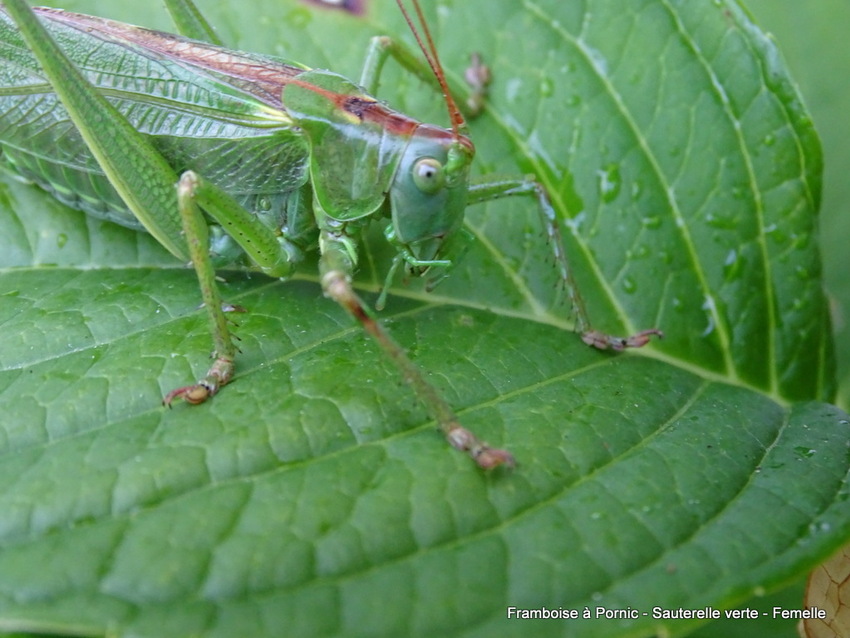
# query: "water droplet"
709, 307
653, 221
721, 221
547, 86
299, 18
629, 285
637, 188
609, 182
776, 233
513, 88
802, 272
61, 240
732, 266
574, 100
769, 139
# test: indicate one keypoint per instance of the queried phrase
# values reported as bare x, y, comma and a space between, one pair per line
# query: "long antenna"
433, 59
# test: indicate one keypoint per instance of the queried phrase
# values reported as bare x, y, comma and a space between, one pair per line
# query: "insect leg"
190, 22
142, 177
512, 186
383, 47
336, 266
261, 244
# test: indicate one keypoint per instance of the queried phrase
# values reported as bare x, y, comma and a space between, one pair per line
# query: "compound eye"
428, 175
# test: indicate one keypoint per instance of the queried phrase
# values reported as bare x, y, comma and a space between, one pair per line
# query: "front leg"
336, 267
512, 186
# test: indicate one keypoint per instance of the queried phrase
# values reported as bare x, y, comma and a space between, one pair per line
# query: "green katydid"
279, 157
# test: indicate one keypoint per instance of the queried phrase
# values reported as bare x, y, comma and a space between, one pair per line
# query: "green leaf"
811, 41
313, 496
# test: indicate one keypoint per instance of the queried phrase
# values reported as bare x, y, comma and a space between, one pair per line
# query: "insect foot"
603, 341
219, 374
485, 456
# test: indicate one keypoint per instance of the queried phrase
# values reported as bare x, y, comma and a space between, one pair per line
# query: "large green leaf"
314, 497
812, 42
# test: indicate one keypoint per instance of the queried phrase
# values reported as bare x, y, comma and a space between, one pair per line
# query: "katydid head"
428, 195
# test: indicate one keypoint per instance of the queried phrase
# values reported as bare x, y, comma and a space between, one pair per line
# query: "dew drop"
653, 221
609, 182
513, 88
629, 285
731, 266
547, 86
640, 252
574, 100
721, 221
299, 18
769, 139
61, 240
780, 237
709, 307
637, 189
